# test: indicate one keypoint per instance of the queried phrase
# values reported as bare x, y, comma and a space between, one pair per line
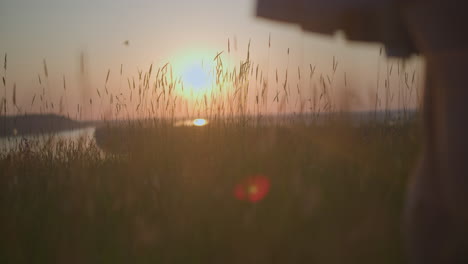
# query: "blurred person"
436, 214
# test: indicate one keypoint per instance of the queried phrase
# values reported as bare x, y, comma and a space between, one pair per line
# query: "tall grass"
167, 196
245, 90
150, 191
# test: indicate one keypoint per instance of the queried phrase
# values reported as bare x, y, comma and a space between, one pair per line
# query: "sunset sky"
181, 32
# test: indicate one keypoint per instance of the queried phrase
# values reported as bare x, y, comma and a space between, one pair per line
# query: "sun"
196, 77
195, 70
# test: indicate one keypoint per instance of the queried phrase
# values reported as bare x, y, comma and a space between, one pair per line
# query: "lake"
11, 143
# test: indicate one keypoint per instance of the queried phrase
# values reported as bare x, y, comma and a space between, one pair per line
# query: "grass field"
336, 195
306, 190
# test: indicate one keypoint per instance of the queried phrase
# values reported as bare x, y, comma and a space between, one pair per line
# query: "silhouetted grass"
336, 196
153, 192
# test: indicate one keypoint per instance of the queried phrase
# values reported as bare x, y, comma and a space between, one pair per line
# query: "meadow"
313, 187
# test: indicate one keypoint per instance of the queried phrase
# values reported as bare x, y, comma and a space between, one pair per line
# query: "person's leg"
436, 219
425, 215
452, 132
431, 223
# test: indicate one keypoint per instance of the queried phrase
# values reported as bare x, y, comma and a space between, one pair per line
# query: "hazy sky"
159, 32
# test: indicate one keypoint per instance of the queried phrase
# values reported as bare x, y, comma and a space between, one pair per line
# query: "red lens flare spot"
252, 189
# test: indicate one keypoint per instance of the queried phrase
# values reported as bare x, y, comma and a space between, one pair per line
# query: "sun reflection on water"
200, 122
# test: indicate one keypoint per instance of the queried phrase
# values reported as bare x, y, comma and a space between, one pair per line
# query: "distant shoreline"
34, 124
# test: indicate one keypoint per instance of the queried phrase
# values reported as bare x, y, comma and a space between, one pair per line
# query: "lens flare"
252, 189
